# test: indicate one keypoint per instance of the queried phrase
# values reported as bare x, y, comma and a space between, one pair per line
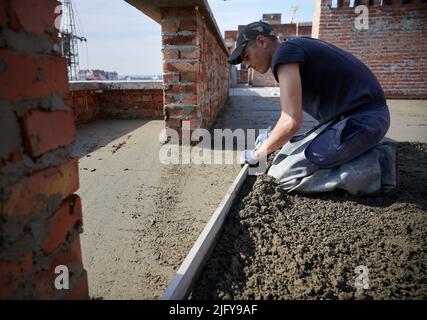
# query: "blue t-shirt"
333, 80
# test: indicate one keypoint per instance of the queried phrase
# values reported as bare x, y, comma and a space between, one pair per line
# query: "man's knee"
346, 140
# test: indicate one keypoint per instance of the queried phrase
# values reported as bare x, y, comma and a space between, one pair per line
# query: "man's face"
256, 56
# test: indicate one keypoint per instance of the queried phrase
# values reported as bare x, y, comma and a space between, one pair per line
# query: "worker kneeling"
338, 90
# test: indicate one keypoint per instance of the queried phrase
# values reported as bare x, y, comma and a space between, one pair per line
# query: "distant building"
141, 77
272, 18
97, 75
112, 75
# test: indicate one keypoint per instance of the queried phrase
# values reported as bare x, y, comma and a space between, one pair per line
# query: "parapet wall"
394, 46
115, 99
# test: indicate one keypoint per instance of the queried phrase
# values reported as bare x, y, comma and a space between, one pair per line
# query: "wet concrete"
408, 120
141, 217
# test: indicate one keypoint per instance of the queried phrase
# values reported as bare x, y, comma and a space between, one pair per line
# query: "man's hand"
248, 156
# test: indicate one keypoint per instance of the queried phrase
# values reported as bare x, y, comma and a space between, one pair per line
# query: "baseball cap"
250, 32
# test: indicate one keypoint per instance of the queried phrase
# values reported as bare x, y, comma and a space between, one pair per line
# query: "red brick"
188, 99
33, 16
170, 54
181, 66
44, 281
171, 77
188, 25
190, 55
202, 77
45, 131
80, 290
147, 98
148, 91
13, 272
191, 88
177, 112
65, 219
180, 40
30, 76
32, 193
169, 26
189, 76
158, 98
191, 99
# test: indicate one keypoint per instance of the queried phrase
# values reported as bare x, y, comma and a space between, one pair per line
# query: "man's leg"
349, 138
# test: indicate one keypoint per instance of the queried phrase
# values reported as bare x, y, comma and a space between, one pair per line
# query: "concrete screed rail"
180, 285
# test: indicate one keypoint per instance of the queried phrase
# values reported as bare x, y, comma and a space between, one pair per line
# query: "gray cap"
250, 32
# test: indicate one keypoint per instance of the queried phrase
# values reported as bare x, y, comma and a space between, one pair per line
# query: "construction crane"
70, 39
294, 9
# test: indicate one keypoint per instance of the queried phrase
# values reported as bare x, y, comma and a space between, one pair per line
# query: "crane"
294, 9
70, 39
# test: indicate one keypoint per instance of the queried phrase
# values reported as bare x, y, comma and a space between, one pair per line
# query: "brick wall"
40, 217
230, 38
131, 104
304, 29
117, 100
394, 46
257, 79
84, 104
196, 73
242, 75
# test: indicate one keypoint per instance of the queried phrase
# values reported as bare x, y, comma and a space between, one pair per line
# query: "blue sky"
121, 38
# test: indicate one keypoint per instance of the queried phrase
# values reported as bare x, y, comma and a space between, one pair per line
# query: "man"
327, 82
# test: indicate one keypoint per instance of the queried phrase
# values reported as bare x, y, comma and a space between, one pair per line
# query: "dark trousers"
348, 138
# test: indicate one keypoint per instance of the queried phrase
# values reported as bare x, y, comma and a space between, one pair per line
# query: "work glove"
261, 138
248, 156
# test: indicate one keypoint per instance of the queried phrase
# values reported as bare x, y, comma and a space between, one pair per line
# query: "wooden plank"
180, 285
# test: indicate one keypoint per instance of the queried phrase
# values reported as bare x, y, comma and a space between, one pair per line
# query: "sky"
121, 38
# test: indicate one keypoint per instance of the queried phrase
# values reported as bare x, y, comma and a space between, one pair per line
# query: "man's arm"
290, 120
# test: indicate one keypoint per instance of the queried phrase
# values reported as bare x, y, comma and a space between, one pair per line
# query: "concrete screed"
142, 217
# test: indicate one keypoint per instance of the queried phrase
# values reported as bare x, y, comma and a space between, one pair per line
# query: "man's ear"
262, 41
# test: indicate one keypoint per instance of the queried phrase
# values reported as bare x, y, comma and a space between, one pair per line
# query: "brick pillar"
181, 68
196, 74
40, 217
316, 20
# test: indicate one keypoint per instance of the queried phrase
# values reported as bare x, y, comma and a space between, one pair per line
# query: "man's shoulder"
301, 41
295, 45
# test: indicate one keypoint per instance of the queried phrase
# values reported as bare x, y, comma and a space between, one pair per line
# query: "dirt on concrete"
276, 245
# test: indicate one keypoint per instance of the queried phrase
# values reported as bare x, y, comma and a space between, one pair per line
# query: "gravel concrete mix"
276, 245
